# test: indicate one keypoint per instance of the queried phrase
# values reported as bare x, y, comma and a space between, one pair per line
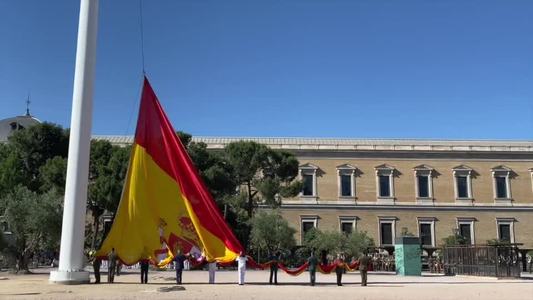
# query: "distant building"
482, 190
9, 125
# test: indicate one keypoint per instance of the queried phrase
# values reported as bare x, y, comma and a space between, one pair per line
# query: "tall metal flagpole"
71, 261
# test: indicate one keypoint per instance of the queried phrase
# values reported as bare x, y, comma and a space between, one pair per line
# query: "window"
463, 183
504, 232
346, 175
423, 186
384, 186
387, 231
465, 231
347, 224
308, 175
462, 186
346, 185
424, 183
346, 228
385, 183
308, 181
502, 190
501, 187
307, 223
505, 229
465, 228
426, 231
425, 234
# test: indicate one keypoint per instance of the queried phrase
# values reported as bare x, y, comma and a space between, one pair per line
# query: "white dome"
7, 126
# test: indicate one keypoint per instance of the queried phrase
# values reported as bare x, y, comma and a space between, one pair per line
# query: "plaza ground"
162, 286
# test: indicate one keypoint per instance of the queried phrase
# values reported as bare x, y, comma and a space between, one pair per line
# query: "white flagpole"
71, 257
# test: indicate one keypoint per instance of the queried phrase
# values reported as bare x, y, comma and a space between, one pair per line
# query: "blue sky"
307, 68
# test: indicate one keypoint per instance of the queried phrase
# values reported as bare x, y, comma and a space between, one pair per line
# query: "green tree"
53, 175
454, 239
270, 232
107, 171
35, 223
215, 170
352, 245
357, 242
12, 172
329, 241
33, 146
266, 175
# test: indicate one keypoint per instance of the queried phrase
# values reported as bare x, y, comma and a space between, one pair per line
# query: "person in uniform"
212, 267
313, 262
96, 262
364, 260
145, 265
111, 265
274, 259
339, 268
241, 266
179, 259
96, 267
119, 268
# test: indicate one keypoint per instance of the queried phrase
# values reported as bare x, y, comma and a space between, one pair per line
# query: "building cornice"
351, 207
330, 144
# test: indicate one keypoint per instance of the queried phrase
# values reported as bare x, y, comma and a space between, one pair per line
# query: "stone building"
482, 190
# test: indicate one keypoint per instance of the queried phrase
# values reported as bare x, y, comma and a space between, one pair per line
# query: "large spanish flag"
164, 203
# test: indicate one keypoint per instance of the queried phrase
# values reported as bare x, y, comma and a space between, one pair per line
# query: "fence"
497, 260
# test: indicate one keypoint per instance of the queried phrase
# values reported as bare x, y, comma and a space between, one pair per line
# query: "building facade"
482, 190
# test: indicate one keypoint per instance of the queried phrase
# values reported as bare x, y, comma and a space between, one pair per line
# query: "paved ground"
161, 286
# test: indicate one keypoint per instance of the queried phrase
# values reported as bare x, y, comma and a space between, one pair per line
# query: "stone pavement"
162, 286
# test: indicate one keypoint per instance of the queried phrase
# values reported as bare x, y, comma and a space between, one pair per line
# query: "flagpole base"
69, 277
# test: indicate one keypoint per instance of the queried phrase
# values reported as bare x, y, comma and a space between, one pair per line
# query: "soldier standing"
178, 264
364, 260
339, 269
274, 259
145, 264
313, 262
96, 267
111, 265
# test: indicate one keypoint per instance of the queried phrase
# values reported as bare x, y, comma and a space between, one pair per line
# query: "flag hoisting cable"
142, 33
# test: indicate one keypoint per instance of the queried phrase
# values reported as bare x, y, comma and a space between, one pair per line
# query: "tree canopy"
34, 221
265, 175
352, 244
270, 232
32, 180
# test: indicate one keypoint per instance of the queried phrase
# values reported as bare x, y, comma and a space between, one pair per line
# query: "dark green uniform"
364, 260
96, 267
111, 266
313, 262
